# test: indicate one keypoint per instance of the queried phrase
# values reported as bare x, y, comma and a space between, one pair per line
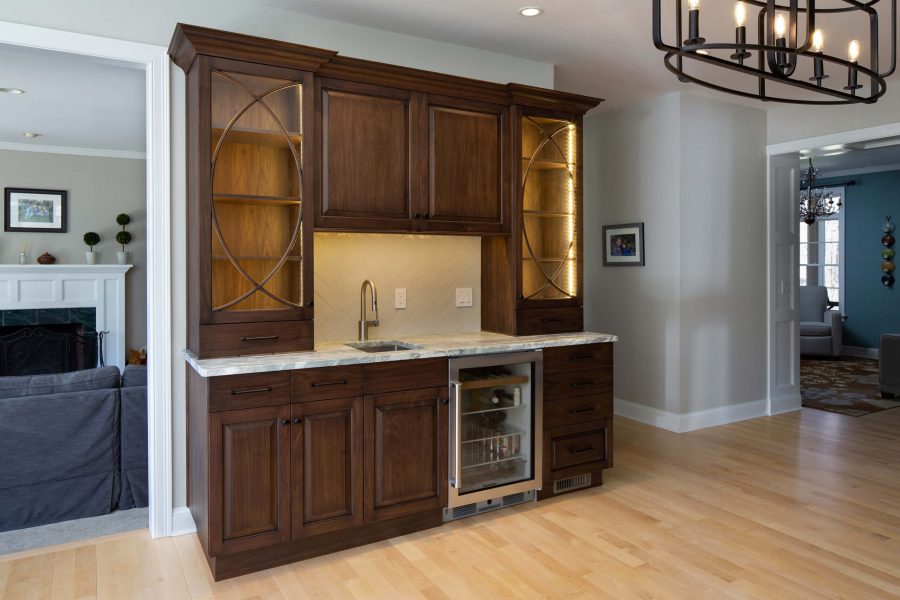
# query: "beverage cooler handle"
455, 433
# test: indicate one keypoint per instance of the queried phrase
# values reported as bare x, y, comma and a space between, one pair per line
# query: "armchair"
820, 328
889, 365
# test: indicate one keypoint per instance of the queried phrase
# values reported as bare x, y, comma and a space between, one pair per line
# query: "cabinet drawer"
592, 382
239, 339
577, 446
233, 392
586, 358
577, 410
406, 375
549, 320
327, 383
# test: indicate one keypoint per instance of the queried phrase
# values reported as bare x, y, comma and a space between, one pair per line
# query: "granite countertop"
332, 354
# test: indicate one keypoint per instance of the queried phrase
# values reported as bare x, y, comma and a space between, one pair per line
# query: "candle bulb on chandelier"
853, 52
740, 33
780, 41
694, 23
818, 44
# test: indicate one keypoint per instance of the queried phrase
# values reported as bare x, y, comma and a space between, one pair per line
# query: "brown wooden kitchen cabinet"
468, 165
327, 466
406, 452
578, 417
249, 478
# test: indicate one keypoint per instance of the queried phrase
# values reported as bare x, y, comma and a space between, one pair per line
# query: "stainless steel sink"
383, 346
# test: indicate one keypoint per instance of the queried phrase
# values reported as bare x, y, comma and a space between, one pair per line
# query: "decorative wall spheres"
887, 253
788, 49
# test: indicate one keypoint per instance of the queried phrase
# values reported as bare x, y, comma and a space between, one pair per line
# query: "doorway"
154, 63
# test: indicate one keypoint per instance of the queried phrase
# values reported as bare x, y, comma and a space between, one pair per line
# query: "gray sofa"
889, 365
820, 328
62, 446
133, 446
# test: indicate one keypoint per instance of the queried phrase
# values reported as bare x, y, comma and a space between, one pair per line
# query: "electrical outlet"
463, 297
400, 298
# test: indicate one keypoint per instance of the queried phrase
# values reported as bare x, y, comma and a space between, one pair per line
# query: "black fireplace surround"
45, 341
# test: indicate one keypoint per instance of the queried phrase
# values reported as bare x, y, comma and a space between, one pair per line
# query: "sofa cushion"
77, 381
815, 329
134, 376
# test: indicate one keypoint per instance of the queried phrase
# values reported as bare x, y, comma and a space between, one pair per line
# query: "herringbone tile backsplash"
429, 267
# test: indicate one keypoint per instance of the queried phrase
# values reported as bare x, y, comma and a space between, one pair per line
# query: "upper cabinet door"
365, 147
468, 159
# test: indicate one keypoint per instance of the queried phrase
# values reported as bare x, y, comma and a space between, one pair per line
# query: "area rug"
848, 387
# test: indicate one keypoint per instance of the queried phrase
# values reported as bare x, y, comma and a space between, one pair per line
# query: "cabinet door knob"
298, 420
418, 216
426, 216
310, 304
285, 421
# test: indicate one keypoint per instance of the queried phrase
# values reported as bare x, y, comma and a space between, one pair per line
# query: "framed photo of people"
36, 211
623, 245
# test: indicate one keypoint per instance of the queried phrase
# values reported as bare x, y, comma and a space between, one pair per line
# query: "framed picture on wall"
37, 211
623, 245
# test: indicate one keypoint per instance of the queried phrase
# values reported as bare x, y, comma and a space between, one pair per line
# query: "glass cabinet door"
549, 246
257, 204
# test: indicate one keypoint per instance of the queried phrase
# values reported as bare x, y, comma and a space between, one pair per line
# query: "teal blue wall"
871, 308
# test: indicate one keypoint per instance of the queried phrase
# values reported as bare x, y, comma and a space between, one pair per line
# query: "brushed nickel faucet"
363, 323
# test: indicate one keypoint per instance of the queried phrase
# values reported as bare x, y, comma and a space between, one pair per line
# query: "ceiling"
73, 101
876, 155
601, 48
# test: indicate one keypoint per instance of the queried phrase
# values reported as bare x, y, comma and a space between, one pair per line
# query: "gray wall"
99, 189
154, 22
692, 323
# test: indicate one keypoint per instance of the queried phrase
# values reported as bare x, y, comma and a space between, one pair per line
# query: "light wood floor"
805, 505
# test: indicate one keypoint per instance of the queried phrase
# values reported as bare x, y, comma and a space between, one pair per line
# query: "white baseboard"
860, 352
182, 521
785, 404
682, 423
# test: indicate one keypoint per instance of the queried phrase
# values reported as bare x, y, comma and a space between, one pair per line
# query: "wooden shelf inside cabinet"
261, 137
247, 199
494, 382
269, 258
546, 259
543, 214
540, 164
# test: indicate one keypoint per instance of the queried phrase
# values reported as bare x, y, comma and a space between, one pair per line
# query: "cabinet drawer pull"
259, 338
579, 384
553, 320
575, 357
580, 450
328, 383
251, 391
581, 411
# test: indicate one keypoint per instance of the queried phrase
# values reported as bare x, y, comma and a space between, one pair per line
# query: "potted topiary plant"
91, 238
122, 238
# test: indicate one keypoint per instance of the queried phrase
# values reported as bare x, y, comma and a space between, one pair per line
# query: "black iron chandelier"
788, 49
816, 201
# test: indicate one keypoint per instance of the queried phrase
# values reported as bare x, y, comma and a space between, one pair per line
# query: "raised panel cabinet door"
327, 466
406, 452
365, 148
250, 454
467, 166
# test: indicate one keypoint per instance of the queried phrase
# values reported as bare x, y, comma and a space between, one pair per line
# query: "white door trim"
155, 62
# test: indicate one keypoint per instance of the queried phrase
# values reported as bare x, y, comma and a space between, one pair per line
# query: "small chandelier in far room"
786, 50
816, 202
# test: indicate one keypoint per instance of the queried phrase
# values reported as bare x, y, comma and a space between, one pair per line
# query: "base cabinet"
278, 473
251, 472
406, 451
326, 462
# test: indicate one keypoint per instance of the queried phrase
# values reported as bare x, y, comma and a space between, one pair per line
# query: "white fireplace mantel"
102, 287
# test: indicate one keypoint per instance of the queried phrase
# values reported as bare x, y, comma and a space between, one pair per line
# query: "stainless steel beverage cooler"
495, 431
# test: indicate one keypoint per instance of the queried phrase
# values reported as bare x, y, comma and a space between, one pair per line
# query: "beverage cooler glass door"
495, 426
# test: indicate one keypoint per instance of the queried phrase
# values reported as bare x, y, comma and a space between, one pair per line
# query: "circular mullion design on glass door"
550, 279
258, 286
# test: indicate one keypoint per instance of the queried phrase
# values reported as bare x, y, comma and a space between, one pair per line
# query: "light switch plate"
400, 298
463, 297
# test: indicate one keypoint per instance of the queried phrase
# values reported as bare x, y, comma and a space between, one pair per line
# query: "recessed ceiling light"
11, 91
530, 11
31, 135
